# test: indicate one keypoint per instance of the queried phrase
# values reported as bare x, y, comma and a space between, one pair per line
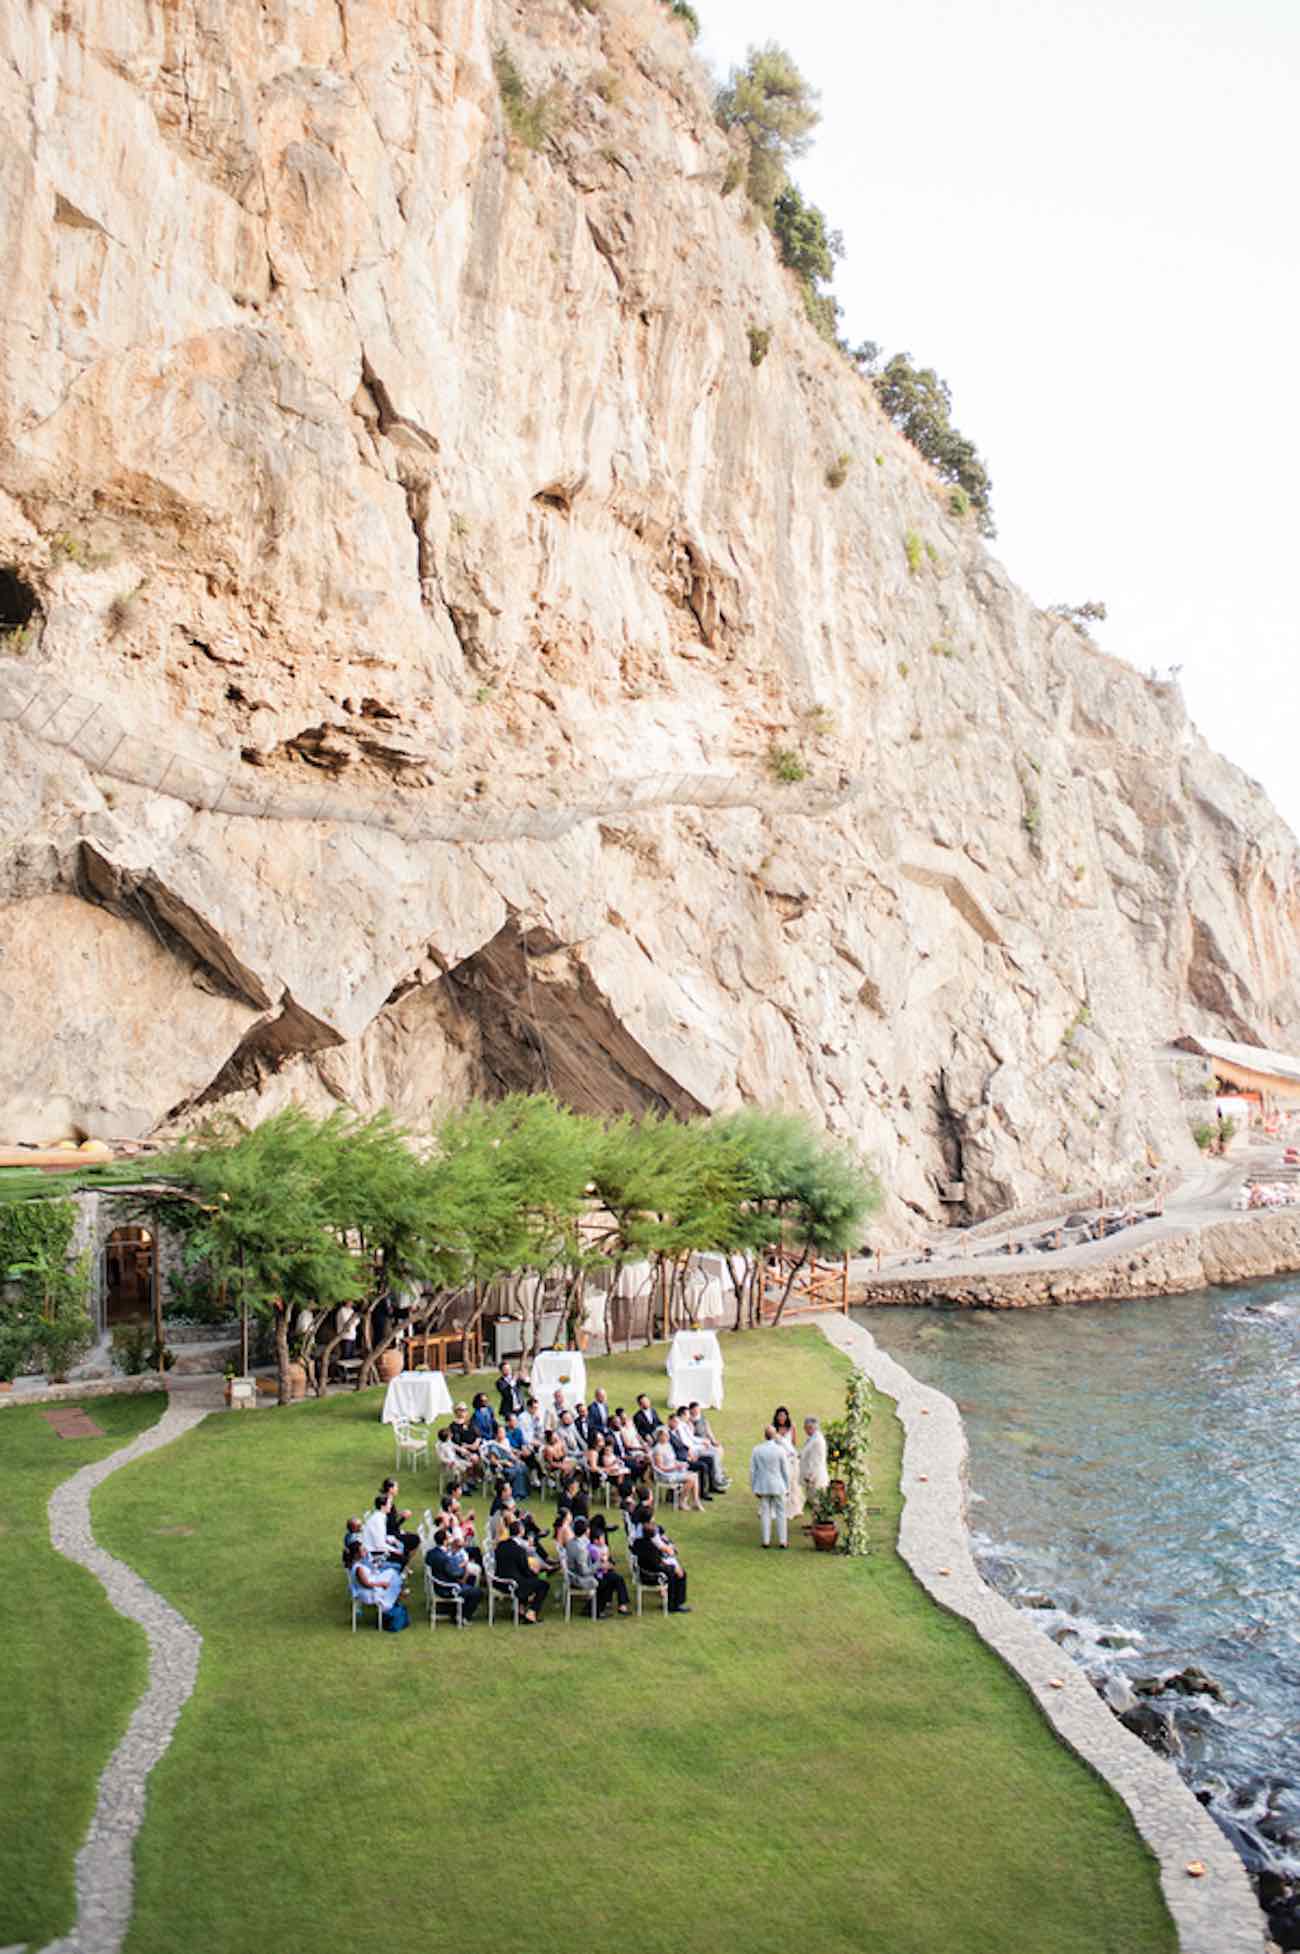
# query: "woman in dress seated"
669, 1470
380, 1584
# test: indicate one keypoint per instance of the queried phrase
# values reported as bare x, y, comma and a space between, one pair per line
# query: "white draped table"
564, 1369
694, 1368
415, 1394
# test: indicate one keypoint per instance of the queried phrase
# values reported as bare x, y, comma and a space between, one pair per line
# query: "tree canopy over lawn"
304, 1213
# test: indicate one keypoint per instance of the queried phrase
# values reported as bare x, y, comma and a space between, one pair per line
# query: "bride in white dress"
784, 1427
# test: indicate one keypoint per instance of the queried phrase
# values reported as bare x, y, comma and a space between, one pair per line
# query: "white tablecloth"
694, 1368
415, 1394
550, 1369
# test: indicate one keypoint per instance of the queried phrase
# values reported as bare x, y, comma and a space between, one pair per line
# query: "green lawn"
816, 1754
70, 1669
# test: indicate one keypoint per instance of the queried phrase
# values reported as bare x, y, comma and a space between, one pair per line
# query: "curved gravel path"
105, 1871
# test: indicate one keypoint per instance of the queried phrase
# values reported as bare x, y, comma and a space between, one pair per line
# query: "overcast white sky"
1085, 216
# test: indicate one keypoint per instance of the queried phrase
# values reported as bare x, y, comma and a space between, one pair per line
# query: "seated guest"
563, 1530
403, 1543
609, 1465
630, 1445
460, 1526
482, 1419
670, 1470
374, 1534
381, 1584
637, 1515
452, 1462
555, 1454
571, 1435
573, 1493
466, 1437
657, 1559
704, 1436
516, 1437
689, 1454
451, 1564
499, 1457
646, 1420
530, 1424
556, 1409
588, 1568
351, 1533
515, 1563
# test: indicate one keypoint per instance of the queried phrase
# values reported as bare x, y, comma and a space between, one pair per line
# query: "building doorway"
128, 1277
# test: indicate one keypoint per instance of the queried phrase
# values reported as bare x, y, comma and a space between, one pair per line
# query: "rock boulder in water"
1155, 1727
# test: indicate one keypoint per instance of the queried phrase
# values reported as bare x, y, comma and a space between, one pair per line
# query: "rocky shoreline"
1259, 1815
1215, 1910
1213, 1254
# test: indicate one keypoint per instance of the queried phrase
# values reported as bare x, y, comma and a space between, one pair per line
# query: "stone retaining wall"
1214, 1913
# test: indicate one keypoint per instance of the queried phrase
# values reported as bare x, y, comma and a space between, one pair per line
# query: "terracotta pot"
390, 1365
825, 1533
6, 1384
297, 1380
840, 1493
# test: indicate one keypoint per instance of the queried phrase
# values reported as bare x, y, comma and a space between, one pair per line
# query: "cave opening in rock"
18, 604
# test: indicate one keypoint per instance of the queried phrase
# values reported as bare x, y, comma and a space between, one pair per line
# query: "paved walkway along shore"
105, 1872
1214, 1914
1197, 1241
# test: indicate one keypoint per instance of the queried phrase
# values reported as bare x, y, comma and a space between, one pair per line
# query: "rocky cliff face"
412, 580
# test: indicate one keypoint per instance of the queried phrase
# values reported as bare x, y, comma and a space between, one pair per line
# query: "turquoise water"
1138, 1464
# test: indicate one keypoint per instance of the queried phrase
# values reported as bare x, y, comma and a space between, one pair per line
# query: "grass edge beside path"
71, 1668
819, 1749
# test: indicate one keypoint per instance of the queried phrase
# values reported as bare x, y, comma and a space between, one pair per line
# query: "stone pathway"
105, 1872
1215, 1913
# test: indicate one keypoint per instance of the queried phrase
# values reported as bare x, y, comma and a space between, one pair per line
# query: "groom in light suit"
769, 1480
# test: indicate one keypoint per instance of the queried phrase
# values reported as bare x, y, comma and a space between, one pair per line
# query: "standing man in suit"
812, 1459
509, 1390
598, 1417
769, 1481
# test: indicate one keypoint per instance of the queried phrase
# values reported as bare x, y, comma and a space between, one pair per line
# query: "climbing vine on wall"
43, 1314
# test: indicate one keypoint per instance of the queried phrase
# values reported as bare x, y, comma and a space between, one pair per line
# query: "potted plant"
824, 1508
298, 1369
836, 1434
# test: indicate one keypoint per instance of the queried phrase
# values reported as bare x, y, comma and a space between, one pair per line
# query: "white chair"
443, 1594
590, 1597
498, 1589
673, 1482
642, 1587
364, 1598
426, 1530
412, 1447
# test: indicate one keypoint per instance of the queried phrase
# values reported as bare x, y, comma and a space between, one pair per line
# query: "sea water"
1137, 1465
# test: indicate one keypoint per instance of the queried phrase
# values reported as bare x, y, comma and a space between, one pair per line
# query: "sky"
1085, 216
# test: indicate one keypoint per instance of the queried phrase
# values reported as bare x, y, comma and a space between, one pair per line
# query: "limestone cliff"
411, 579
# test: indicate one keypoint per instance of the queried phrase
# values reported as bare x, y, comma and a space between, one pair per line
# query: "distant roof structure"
1281, 1067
